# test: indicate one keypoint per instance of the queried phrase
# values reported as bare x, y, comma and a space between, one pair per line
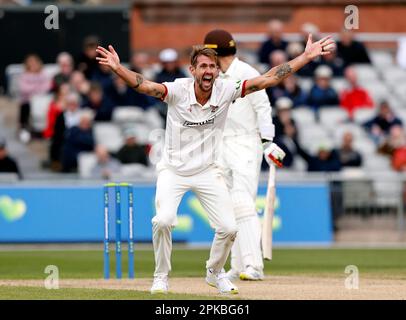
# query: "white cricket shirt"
251, 115
194, 132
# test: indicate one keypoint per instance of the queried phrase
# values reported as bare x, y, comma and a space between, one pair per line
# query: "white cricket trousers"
241, 159
211, 190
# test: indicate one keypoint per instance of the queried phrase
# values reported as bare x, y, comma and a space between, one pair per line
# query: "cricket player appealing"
248, 131
197, 111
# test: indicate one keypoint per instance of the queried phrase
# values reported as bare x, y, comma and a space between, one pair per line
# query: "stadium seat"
364, 114
381, 59
396, 102
39, 109
128, 114
153, 119
109, 135
394, 76
86, 162
133, 170
13, 72
303, 116
299, 164
339, 84
365, 146
377, 163
365, 73
332, 116
51, 69
305, 83
339, 130
311, 136
377, 89
8, 177
261, 67
401, 113
248, 56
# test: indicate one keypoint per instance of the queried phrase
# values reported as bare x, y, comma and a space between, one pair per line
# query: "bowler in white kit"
248, 132
197, 111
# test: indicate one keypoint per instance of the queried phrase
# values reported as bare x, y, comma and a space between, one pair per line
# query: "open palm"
315, 49
108, 57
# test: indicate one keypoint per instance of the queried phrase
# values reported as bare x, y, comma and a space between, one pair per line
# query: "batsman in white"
197, 111
248, 132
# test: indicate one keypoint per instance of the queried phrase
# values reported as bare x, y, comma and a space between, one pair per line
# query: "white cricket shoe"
221, 282
160, 285
251, 274
233, 275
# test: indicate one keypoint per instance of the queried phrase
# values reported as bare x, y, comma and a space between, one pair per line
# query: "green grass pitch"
20, 265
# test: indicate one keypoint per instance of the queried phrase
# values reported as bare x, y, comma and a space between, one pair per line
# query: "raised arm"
278, 73
133, 79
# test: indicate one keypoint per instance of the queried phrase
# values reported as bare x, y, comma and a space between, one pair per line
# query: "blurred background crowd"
344, 110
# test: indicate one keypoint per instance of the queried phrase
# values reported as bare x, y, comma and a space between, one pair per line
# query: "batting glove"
273, 154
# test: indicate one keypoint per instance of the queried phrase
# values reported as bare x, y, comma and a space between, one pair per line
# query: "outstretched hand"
108, 57
315, 49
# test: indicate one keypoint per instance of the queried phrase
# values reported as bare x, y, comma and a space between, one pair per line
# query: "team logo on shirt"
197, 124
214, 108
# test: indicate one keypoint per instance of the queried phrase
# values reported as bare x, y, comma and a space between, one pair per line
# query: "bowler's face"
205, 73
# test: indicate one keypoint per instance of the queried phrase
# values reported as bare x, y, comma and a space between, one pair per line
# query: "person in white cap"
322, 93
170, 69
197, 112
247, 132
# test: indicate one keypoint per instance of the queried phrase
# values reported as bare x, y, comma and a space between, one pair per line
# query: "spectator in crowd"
397, 142
99, 102
69, 118
394, 140
139, 63
294, 91
169, 72
379, 126
335, 62
56, 107
285, 129
102, 75
77, 139
7, 164
31, 82
131, 151
322, 93
276, 58
65, 63
86, 62
80, 84
170, 67
105, 166
122, 95
350, 50
326, 160
283, 117
354, 97
349, 157
274, 42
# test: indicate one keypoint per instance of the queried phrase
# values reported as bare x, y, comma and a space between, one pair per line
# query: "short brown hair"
202, 51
